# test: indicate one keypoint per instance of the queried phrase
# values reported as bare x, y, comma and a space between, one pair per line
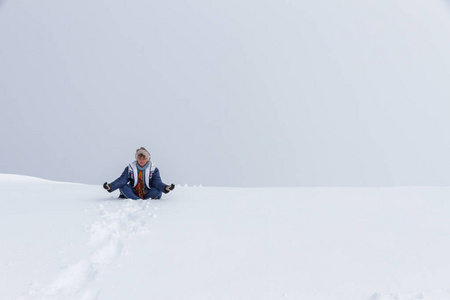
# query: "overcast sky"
227, 93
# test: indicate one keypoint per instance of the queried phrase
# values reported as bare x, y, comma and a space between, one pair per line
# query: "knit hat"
142, 151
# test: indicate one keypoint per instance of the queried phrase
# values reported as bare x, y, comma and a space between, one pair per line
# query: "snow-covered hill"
73, 241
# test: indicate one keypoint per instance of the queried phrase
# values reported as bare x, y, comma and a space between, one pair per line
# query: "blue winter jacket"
152, 178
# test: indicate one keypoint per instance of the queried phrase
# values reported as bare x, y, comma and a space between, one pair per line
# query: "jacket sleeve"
157, 182
121, 181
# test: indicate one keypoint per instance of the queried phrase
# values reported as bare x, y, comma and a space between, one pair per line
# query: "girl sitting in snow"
140, 180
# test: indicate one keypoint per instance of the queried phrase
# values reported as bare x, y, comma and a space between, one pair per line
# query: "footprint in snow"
107, 241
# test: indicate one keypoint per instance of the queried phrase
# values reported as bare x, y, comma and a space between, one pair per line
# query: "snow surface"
74, 241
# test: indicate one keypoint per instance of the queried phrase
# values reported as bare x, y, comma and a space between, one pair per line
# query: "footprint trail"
107, 243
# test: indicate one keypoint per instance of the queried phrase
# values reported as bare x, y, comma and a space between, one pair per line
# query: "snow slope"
73, 241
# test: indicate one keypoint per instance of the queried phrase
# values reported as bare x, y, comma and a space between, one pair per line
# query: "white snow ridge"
72, 241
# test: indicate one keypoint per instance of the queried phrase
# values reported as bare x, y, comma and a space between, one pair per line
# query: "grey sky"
228, 93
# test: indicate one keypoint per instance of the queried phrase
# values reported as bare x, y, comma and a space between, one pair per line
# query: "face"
142, 161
